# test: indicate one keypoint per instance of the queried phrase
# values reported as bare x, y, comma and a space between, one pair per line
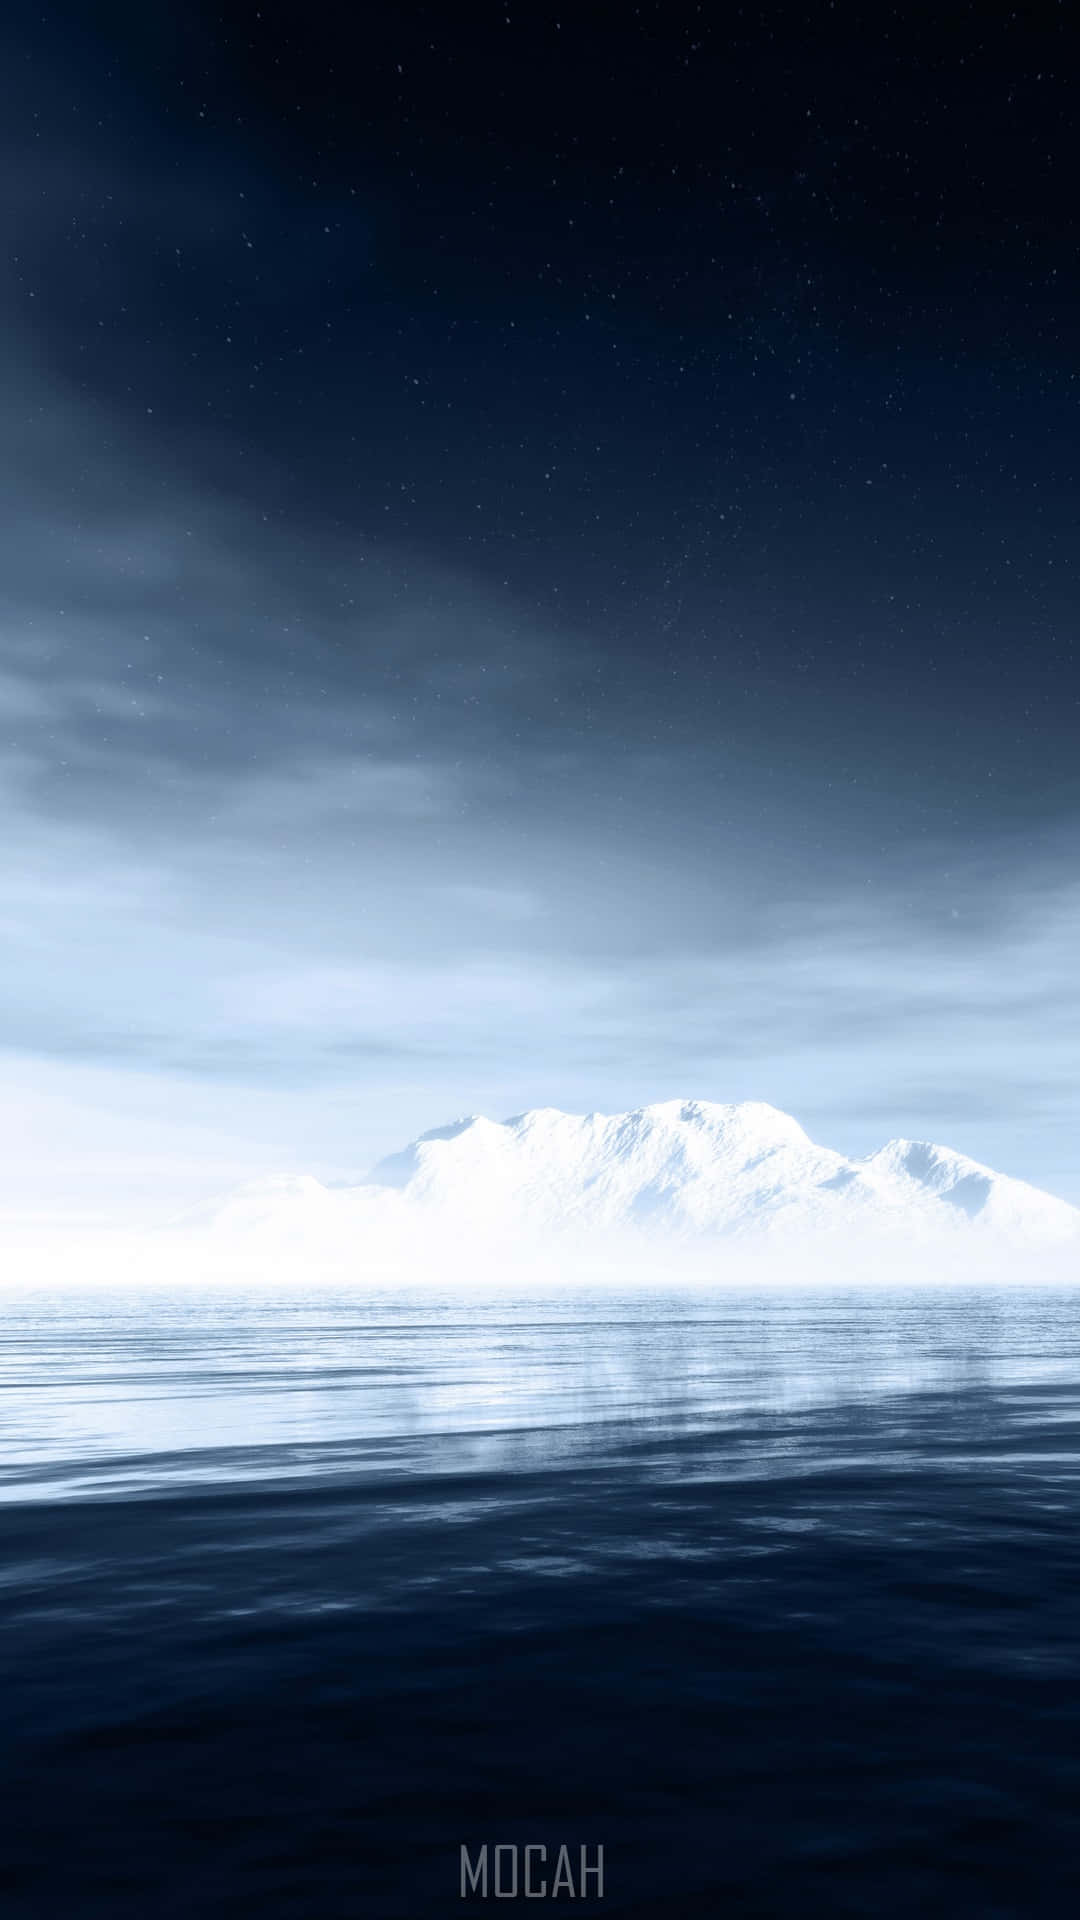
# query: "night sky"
539, 568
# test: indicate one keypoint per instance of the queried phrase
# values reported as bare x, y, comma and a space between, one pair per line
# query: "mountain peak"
743, 1116
696, 1165
691, 1167
747, 1116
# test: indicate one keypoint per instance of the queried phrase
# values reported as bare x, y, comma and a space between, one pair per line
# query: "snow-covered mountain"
688, 1168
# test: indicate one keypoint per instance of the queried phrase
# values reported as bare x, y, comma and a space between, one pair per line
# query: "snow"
686, 1170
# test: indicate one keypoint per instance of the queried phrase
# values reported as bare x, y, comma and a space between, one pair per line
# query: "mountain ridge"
690, 1167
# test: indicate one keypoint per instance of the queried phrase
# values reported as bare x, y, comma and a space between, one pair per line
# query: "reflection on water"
775, 1598
108, 1394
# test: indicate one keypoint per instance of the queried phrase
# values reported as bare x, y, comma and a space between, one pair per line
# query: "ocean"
760, 1605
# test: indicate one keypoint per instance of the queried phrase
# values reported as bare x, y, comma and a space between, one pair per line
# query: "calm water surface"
776, 1599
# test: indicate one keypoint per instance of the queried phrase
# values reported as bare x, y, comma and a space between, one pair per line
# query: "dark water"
778, 1602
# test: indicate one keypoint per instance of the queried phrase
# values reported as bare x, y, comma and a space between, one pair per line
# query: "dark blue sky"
539, 566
